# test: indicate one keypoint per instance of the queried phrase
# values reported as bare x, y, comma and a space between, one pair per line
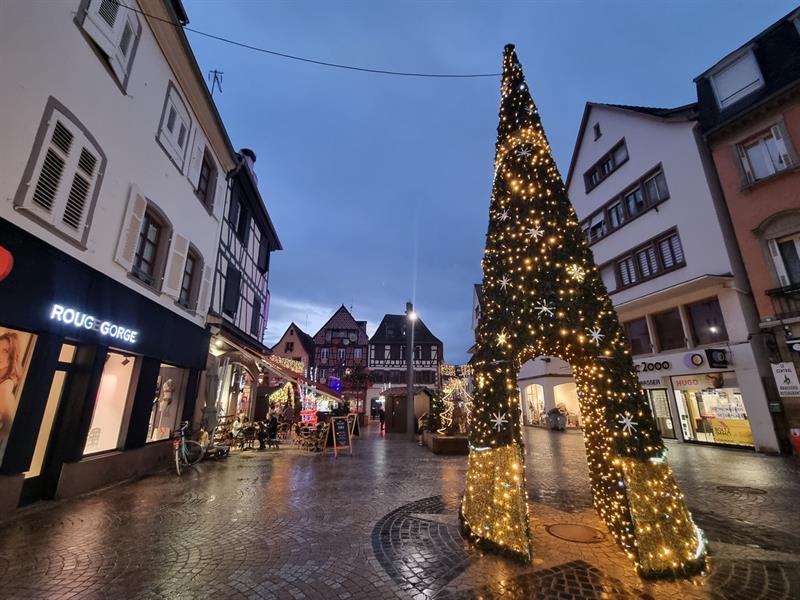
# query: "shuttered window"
255, 321
230, 299
627, 271
671, 251
62, 177
173, 130
115, 29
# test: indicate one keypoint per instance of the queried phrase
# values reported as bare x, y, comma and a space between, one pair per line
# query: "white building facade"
113, 186
647, 198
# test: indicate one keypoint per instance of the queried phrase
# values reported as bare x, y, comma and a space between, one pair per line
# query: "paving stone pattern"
383, 524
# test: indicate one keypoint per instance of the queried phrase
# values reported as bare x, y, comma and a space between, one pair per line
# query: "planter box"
449, 444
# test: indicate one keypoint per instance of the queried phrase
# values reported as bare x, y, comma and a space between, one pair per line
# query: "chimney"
250, 158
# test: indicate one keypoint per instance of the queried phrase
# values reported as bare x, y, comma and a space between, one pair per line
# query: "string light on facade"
561, 308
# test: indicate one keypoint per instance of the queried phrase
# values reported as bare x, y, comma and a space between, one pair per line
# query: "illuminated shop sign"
81, 320
661, 365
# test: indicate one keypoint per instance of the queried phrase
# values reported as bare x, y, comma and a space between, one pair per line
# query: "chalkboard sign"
352, 422
339, 435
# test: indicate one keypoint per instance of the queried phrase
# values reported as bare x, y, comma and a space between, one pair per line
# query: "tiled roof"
392, 331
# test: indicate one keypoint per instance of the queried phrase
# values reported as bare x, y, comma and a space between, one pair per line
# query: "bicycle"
187, 452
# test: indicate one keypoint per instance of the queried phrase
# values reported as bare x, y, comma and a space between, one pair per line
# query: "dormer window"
736, 79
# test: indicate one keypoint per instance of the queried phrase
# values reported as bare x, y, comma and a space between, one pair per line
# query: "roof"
342, 319
306, 341
392, 330
685, 112
777, 52
479, 293
261, 214
401, 391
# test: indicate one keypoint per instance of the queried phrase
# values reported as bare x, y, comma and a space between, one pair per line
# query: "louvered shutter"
64, 178
205, 289
196, 158
176, 263
779, 136
777, 260
747, 172
221, 196
131, 226
104, 22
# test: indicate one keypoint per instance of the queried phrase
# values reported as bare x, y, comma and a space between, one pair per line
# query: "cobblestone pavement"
383, 524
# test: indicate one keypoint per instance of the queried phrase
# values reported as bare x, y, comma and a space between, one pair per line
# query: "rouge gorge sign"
80, 320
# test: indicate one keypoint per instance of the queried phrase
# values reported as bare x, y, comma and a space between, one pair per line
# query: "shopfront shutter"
777, 260
131, 226
175, 266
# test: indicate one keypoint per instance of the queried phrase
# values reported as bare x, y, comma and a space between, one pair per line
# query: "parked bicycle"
187, 452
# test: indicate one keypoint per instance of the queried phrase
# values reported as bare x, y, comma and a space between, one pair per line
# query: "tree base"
489, 545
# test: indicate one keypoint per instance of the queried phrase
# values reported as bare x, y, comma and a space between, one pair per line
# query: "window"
207, 181
786, 257
151, 238
417, 352
255, 319
597, 227
323, 353
671, 251
289, 347
62, 178
434, 353
608, 163
340, 353
708, 326
230, 297
165, 416
634, 201
16, 350
737, 79
173, 131
765, 154
189, 280
656, 187
638, 336
263, 255
357, 353
648, 265
627, 271
110, 404
243, 226
116, 31
669, 330
597, 132
233, 207
387, 352
616, 215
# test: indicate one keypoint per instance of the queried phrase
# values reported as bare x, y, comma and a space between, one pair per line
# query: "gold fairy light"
543, 295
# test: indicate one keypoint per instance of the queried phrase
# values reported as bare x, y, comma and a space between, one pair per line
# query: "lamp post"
411, 317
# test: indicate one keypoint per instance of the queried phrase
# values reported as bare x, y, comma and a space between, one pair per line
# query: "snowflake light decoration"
595, 335
499, 420
535, 233
628, 424
576, 272
544, 308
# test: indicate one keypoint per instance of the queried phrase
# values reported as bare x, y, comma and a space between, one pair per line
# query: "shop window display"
711, 409
167, 402
16, 348
110, 405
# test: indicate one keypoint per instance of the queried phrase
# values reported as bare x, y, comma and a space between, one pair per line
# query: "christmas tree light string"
543, 296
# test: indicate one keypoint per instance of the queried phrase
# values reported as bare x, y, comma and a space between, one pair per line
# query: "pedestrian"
382, 417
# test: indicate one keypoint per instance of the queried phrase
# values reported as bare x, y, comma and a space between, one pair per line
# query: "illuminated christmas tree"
543, 296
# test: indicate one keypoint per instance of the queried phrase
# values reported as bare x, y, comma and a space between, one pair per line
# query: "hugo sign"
81, 320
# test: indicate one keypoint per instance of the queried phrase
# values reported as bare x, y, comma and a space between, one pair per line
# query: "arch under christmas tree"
543, 296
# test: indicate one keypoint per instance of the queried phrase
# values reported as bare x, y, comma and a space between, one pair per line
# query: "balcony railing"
786, 301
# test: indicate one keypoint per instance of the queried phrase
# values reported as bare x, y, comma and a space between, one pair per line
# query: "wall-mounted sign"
786, 379
693, 360
6, 263
81, 320
717, 359
660, 365
794, 345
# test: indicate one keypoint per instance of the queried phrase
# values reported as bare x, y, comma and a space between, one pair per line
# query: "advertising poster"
16, 348
732, 431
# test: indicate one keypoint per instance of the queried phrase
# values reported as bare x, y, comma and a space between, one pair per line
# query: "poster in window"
16, 348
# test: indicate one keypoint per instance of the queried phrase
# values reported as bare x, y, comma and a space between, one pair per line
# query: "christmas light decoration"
454, 395
554, 303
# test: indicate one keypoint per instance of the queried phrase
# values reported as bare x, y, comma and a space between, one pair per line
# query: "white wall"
44, 53
690, 206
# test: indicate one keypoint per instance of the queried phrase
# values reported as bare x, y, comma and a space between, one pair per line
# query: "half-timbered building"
387, 356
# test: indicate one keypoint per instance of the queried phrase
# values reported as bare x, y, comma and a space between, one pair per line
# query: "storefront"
94, 377
693, 401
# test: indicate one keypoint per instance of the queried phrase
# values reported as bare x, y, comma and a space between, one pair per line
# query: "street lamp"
410, 421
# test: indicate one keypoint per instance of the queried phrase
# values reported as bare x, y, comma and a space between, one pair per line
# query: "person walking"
382, 417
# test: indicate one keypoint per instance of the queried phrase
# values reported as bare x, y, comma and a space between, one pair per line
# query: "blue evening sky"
379, 186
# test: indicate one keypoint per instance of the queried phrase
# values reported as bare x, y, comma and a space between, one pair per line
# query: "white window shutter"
46, 187
131, 227
221, 196
175, 266
777, 260
103, 22
196, 159
121, 58
779, 136
205, 289
745, 163
81, 190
